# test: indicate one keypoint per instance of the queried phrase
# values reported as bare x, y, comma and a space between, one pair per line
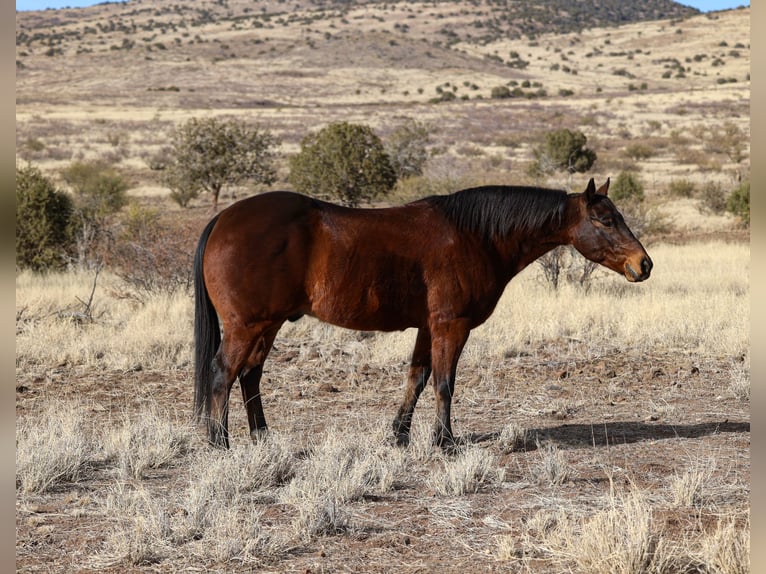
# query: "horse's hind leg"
420, 370
228, 362
250, 382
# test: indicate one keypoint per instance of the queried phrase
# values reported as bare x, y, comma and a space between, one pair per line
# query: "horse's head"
601, 235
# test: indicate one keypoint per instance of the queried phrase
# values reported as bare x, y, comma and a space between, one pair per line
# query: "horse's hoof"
257, 435
402, 439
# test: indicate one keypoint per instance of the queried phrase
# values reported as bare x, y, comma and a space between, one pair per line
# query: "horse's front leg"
448, 340
420, 371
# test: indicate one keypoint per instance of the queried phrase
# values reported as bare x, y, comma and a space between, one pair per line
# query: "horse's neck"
525, 250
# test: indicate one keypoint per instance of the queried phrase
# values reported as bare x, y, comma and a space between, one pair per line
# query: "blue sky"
704, 5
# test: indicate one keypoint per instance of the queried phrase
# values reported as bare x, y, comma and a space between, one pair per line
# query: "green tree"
43, 218
407, 148
208, 154
564, 150
344, 161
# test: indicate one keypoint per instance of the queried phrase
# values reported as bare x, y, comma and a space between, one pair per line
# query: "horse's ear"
604, 188
590, 191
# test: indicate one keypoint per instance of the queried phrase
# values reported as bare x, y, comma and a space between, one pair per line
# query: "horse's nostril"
646, 265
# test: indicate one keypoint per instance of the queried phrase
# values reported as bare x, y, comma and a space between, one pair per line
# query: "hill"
110, 81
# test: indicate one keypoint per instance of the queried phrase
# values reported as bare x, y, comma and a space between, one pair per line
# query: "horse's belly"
369, 309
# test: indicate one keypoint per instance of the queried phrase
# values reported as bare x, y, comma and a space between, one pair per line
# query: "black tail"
207, 333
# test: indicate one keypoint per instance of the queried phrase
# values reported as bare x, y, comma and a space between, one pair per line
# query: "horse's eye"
606, 220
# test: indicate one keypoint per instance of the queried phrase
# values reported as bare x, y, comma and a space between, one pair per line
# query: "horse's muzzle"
645, 270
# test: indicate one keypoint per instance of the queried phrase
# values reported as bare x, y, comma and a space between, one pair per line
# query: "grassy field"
580, 412
604, 427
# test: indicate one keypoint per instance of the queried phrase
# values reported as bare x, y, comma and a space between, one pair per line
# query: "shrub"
406, 148
738, 202
564, 150
565, 263
627, 187
100, 190
639, 151
713, 197
208, 154
344, 161
500, 92
681, 188
43, 222
151, 255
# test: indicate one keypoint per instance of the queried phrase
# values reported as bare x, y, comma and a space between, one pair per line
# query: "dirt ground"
623, 417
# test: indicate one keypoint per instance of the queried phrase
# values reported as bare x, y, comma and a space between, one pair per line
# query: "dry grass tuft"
472, 469
617, 540
690, 488
552, 467
727, 550
337, 471
142, 532
513, 437
149, 442
52, 446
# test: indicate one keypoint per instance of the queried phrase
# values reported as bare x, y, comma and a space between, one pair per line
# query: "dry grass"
53, 447
152, 441
469, 471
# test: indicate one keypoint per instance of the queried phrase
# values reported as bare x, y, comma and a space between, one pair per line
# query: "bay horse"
439, 264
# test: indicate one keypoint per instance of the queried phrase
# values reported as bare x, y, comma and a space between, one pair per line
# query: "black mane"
496, 211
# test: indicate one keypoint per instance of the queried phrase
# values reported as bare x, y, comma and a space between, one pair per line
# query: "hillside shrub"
43, 222
563, 150
639, 151
407, 148
681, 188
151, 254
99, 193
738, 202
99, 189
627, 187
500, 92
714, 197
343, 161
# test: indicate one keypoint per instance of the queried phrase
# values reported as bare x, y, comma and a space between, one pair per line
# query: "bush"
638, 151
343, 161
713, 197
564, 150
739, 202
406, 148
43, 222
100, 190
565, 263
152, 255
681, 188
627, 187
500, 92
